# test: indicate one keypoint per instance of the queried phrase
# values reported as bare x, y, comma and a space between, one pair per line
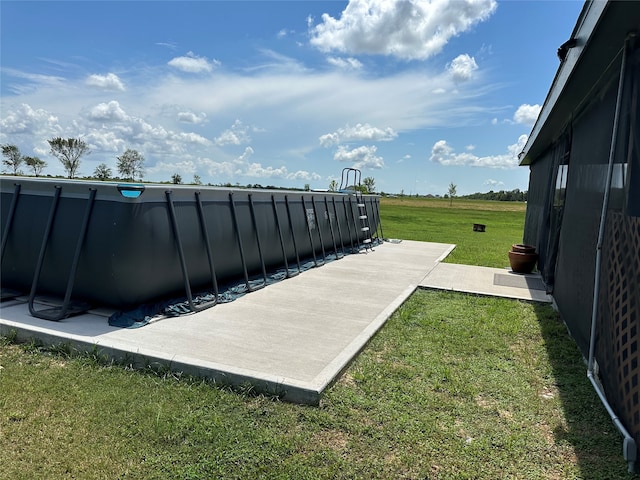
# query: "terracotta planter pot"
519, 247
522, 262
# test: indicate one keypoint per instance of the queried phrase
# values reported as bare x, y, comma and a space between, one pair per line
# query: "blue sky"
417, 94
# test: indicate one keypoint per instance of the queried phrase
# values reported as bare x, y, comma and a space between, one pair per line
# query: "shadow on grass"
595, 442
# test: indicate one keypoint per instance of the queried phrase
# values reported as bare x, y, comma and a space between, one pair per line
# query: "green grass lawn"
454, 386
433, 220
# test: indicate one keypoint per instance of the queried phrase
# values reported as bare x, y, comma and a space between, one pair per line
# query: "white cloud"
105, 141
360, 132
186, 167
241, 166
169, 45
462, 67
303, 175
189, 138
294, 108
277, 62
246, 155
110, 127
527, 114
30, 81
109, 81
258, 171
108, 112
443, 153
191, 63
191, 117
345, 63
361, 157
408, 29
494, 121
493, 183
26, 120
273, 97
236, 135
218, 169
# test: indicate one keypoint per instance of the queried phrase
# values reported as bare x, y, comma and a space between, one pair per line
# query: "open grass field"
453, 387
434, 220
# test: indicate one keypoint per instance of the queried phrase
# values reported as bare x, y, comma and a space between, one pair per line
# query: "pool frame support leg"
293, 234
335, 212
255, 228
181, 256
9, 222
207, 242
346, 219
315, 213
57, 313
333, 236
180, 250
376, 209
284, 250
234, 214
306, 219
5, 293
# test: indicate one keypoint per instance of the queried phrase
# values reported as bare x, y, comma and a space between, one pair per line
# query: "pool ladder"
362, 224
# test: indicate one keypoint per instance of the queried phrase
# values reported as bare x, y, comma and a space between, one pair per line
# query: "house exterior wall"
566, 196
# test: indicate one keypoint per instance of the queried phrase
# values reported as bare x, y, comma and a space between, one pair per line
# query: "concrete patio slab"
497, 282
292, 338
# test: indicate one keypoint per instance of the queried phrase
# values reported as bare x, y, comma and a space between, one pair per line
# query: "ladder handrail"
344, 181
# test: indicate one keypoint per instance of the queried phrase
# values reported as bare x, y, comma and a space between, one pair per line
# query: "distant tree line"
13, 160
502, 196
70, 152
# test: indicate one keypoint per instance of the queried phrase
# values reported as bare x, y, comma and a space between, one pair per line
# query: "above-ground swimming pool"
123, 245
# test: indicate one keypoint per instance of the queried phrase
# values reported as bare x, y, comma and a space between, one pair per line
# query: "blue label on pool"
131, 191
